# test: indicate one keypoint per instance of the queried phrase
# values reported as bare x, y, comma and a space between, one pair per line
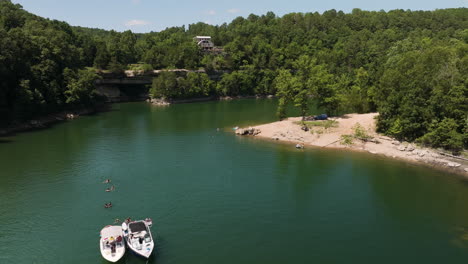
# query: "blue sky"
156, 15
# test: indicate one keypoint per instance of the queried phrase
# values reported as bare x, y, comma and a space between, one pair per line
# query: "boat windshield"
137, 227
147, 238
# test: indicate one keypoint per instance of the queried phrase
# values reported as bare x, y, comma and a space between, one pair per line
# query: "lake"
215, 197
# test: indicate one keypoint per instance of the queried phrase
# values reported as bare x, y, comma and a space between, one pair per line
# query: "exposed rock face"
158, 101
453, 164
420, 153
112, 93
248, 131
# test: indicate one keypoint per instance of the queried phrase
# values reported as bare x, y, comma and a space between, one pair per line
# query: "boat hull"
111, 244
145, 251
138, 238
107, 255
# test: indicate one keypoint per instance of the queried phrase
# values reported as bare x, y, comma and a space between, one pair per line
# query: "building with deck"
204, 42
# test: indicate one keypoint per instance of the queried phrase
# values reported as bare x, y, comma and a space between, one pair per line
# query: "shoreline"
49, 120
330, 136
167, 102
46, 121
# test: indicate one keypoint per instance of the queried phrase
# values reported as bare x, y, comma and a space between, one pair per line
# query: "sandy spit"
289, 131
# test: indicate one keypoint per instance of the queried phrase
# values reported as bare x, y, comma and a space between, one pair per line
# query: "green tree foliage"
34, 53
102, 57
165, 86
306, 81
423, 91
80, 88
170, 86
285, 83
445, 134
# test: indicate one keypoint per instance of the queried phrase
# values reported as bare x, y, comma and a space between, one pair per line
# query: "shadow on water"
51, 124
2, 140
132, 258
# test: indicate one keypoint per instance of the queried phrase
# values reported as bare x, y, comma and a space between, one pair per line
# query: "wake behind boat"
111, 243
138, 237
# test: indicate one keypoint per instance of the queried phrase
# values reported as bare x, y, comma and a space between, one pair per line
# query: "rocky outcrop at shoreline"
248, 131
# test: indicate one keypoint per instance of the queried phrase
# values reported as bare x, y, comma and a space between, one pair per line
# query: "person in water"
108, 205
107, 181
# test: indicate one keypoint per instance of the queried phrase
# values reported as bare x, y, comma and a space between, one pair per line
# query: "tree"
80, 87
444, 134
102, 57
285, 91
164, 86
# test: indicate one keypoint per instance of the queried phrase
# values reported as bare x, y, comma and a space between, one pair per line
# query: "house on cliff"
204, 42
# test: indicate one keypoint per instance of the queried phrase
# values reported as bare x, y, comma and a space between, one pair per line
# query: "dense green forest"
410, 66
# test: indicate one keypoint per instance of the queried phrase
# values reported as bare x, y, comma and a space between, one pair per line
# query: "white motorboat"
111, 243
138, 237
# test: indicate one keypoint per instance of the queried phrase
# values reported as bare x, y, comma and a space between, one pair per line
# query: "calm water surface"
218, 198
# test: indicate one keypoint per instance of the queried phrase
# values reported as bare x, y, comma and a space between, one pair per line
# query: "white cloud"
233, 10
211, 12
136, 22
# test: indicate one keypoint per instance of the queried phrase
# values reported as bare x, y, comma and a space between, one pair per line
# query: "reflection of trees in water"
307, 171
206, 116
461, 237
420, 196
195, 117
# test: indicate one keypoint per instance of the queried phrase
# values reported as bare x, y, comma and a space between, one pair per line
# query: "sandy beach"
330, 134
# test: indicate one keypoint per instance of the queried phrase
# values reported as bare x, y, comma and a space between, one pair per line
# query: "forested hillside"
410, 66
41, 65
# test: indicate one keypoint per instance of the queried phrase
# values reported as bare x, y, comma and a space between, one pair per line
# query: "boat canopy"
111, 231
137, 227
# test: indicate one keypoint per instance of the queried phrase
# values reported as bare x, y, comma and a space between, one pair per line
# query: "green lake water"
218, 198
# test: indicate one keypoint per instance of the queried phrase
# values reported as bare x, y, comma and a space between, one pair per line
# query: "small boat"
138, 237
111, 243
